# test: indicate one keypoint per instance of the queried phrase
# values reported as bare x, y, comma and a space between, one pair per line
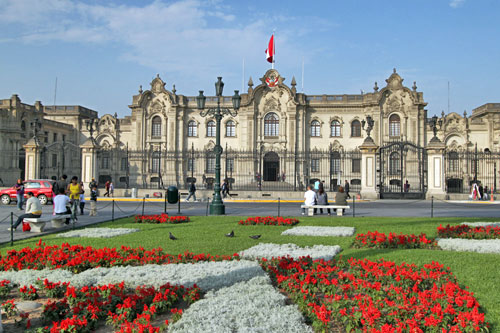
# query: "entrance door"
271, 167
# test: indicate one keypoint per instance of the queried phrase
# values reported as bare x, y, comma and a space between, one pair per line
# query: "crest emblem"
272, 79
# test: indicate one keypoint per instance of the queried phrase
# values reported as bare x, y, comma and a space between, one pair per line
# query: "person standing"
19, 187
481, 191
62, 183
111, 189
406, 186
192, 191
74, 190
341, 198
33, 210
321, 199
82, 203
106, 186
93, 201
316, 185
309, 198
92, 184
346, 189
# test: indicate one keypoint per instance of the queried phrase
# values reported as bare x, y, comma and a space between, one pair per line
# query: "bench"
310, 209
37, 224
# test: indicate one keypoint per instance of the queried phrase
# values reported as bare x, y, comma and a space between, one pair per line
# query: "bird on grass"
172, 237
254, 236
231, 234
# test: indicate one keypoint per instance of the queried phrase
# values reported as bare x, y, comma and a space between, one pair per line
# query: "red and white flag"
270, 52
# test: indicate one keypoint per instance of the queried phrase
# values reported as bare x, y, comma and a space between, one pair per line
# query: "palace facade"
279, 139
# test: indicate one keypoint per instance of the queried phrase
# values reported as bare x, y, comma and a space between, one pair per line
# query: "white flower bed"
482, 224
470, 245
207, 275
320, 231
250, 306
98, 232
269, 250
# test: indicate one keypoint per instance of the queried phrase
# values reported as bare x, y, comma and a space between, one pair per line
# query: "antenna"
243, 78
55, 94
302, 74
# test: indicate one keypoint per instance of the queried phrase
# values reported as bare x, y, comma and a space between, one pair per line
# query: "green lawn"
481, 272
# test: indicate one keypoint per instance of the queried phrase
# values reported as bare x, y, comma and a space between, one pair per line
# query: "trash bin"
134, 192
172, 194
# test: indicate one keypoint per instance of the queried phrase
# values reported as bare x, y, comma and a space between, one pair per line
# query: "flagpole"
274, 49
243, 77
302, 74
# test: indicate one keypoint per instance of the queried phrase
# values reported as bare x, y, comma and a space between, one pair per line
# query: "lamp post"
217, 206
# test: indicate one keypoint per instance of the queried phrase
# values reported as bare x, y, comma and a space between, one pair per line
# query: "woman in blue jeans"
19, 193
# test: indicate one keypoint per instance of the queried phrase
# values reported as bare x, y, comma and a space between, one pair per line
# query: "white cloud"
456, 3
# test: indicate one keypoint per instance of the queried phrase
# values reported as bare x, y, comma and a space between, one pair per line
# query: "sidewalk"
235, 200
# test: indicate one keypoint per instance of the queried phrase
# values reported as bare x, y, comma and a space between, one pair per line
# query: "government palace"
383, 143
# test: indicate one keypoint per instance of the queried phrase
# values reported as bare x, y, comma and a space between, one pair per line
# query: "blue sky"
102, 51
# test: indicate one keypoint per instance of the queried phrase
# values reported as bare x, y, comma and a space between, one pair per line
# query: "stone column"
89, 162
33, 150
435, 163
368, 169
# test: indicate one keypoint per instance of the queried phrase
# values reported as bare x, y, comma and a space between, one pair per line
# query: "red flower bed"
162, 218
377, 296
269, 220
465, 231
78, 258
382, 241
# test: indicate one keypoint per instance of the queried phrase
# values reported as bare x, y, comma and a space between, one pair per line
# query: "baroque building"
280, 139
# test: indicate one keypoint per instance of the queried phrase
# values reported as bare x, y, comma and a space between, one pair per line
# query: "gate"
402, 171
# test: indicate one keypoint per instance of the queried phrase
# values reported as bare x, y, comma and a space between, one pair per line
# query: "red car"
41, 188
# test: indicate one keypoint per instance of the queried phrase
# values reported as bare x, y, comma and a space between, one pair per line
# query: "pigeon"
231, 234
255, 236
172, 237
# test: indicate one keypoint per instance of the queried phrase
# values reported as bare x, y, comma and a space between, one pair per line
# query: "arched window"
315, 128
230, 128
271, 125
156, 127
335, 128
335, 162
356, 129
394, 125
211, 128
452, 161
394, 163
192, 128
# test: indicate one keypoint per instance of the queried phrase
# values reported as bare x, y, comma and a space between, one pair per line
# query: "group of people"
316, 195
478, 192
192, 190
67, 198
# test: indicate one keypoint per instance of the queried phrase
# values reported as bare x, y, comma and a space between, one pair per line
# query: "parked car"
41, 188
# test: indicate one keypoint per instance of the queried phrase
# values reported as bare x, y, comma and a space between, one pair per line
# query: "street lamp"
217, 206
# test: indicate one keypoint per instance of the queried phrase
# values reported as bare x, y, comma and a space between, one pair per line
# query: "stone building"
280, 139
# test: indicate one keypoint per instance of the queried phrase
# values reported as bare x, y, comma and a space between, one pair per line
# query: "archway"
271, 166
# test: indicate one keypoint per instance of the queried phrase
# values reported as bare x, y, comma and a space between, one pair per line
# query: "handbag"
26, 226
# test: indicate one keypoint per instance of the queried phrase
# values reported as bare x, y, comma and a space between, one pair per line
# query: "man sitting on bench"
60, 204
33, 209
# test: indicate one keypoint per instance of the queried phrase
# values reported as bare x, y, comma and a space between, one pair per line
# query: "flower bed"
320, 231
269, 220
469, 232
377, 296
380, 240
470, 245
98, 232
270, 250
161, 218
482, 224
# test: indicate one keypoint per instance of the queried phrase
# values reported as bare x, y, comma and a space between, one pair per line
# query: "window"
394, 125
230, 128
46, 137
211, 128
64, 137
452, 161
54, 160
124, 164
191, 164
156, 127
192, 128
210, 164
54, 137
356, 165
230, 164
394, 163
335, 162
271, 125
315, 128
105, 162
315, 165
356, 129
155, 166
335, 128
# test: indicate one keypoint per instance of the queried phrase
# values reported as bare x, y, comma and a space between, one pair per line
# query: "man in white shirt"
33, 209
61, 202
309, 198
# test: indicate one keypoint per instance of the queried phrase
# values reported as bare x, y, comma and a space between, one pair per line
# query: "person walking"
106, 186
82, 202
341, 198
74, 190
346, 189
111, 189
33, 210
309, 198
92, 184
19, 187
321, 199
481, 191
61, 202
225, 188
93, 201
192, 191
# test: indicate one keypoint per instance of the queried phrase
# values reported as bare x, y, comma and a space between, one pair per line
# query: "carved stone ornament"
272, 104
272, 78
395, 82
